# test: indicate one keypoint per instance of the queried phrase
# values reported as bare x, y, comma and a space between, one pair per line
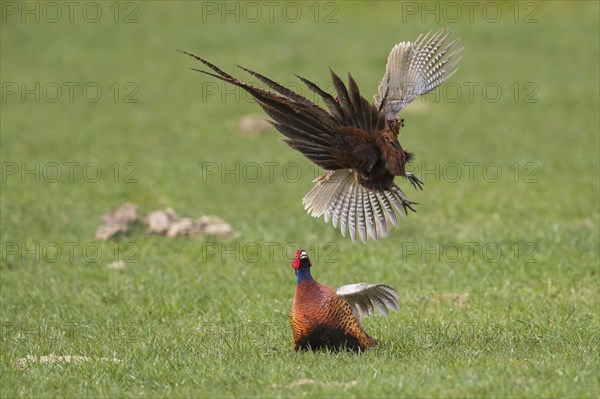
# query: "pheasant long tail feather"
334, 106
309, 128
320, 135
305, 122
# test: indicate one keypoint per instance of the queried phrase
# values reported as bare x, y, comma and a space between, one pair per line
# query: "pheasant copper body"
354, 140
323, 317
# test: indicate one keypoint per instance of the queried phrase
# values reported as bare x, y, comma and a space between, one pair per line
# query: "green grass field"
499, 269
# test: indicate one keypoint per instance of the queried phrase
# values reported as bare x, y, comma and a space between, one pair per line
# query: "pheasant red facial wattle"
323, 317
301, 256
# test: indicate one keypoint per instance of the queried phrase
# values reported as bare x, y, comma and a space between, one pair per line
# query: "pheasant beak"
300, 255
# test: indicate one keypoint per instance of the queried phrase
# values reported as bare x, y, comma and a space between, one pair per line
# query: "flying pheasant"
325, 317
354, 140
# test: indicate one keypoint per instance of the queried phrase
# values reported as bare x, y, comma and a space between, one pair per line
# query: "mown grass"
514, 313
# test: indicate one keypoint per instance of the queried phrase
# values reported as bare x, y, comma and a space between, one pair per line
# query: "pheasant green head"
301, 265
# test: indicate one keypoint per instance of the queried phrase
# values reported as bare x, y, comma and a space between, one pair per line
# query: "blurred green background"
499, 268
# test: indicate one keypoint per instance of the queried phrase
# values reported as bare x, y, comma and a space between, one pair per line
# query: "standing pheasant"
354, 140
323, 317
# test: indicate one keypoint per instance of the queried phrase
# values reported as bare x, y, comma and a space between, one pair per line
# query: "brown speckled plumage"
323, 317
353, 139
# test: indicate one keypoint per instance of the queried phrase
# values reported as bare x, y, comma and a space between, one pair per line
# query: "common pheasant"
354, 140
323, 317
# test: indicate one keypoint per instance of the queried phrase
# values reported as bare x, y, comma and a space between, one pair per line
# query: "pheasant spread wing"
415, 68
365, 298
